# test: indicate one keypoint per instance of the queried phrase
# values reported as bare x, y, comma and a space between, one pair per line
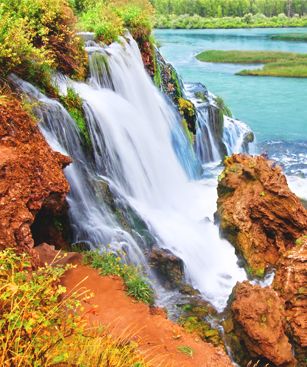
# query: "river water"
275, 108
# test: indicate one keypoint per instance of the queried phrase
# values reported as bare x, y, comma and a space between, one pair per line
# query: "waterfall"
216, 135
141, 151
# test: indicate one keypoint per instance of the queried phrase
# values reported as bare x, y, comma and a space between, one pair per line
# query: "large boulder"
32, 175
258, 213
259, 321
291, 283
169, 267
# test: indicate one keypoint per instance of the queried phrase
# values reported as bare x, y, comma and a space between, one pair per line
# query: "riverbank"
248, 21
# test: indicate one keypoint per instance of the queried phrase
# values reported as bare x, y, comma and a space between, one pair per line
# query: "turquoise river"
275, 108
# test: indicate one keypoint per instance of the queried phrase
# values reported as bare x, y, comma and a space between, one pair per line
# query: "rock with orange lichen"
260, 323
31, 173
291, 284
257, 211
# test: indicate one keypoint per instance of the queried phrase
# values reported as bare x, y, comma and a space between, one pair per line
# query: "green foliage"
231, 8
110, 264
39, 32
222, 106
74, 105
109, 19
285, 64
249, 57
286, 69
35, 313
253, 21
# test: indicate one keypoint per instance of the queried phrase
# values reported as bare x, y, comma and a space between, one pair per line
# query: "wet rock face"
259, 321
169, 267
31, 175
257, 211
290, 282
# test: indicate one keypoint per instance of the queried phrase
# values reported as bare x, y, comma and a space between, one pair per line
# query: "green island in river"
294, 37
284, 64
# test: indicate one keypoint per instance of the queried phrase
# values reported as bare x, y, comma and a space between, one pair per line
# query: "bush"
39, 31
35, 315
110, 264
108, 20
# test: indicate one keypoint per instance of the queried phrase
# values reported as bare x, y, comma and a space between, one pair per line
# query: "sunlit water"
275, 108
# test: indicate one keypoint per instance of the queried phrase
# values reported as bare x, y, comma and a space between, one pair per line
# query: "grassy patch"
110, 264
249, 57
280, 69
283, 64
294, 37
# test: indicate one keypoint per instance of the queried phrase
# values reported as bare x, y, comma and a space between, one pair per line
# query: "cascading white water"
137, 126
234, 133
141, 148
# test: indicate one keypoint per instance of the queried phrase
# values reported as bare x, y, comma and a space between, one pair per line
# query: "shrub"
108, 20
110, 264
39, 31
35, 313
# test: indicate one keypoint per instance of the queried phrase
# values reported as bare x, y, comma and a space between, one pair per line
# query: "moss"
157, 75
202, 96
74, 105
223, 107
175, 81
188, 111
255, 272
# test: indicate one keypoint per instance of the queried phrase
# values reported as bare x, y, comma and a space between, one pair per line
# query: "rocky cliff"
32, 175
257, 211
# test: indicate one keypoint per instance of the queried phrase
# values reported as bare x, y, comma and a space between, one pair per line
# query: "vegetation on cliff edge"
41, 325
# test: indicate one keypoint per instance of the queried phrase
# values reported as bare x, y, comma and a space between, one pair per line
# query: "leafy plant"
39, 32
35, 313
109, 263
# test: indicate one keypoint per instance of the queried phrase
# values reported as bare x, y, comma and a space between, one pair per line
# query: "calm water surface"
275, 108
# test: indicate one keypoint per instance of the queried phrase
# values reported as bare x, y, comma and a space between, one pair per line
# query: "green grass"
294, 37
110, 264
248, 57
280, 69
279, 64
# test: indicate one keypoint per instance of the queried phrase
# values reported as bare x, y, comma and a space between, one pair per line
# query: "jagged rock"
31, 173
47, 254
169, 267
258, 213
259, 321
290, 282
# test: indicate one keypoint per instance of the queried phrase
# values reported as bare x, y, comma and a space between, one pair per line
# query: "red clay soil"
31, 175
157, 336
